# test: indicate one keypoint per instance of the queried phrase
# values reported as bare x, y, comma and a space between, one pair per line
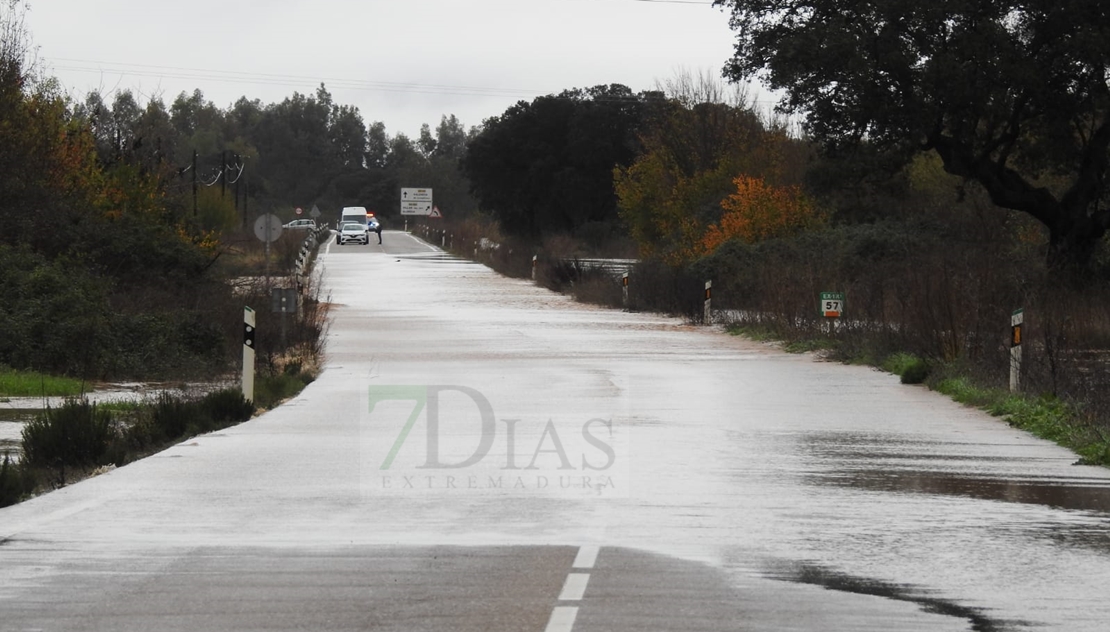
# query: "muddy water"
11, 427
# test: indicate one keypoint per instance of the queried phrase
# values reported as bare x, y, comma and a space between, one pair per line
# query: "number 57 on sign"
832, 304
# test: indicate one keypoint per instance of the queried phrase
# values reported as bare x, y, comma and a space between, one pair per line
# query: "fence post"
1017, 319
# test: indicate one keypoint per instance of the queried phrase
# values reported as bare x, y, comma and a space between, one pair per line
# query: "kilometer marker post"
1017, 320
248, 353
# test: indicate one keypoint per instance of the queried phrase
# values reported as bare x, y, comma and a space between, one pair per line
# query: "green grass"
763, 333
758, 333
912, 369
271, 390
806, 345
1046, 417
31, 384
897, 363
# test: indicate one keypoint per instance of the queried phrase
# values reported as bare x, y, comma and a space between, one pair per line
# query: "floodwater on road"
462, 409
769, 465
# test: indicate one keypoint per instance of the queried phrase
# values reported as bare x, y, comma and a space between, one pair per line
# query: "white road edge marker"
562, 619
587, 557
423, 243
575, 587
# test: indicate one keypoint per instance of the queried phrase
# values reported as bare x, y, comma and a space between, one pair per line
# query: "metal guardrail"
615, 267
307, 247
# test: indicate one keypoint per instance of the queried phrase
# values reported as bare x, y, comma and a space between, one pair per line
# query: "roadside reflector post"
534, 259
708, 316
624, 290
248, 354
406, 224
1017, 321
442, 238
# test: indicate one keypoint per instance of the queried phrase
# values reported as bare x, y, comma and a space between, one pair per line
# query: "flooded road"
482, 454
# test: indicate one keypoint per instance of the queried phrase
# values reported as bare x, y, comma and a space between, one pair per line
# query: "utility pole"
237, 184
246, 196
194, 183
223, 174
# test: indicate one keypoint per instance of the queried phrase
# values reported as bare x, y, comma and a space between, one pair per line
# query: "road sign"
299, 210
315, 212
435, 212
283, 300
267, 227
408, 207
416, 195
832, 304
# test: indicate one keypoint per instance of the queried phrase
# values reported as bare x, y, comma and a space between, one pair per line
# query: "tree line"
946, 116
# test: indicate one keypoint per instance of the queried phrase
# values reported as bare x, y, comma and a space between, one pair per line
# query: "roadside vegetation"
127, 250
67, 443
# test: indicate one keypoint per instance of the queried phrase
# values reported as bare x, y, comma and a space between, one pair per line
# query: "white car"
352, 231
301, 224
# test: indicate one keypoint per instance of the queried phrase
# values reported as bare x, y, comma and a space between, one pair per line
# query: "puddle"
436, 257
901, 465
816, 575
1071, 494
11, 429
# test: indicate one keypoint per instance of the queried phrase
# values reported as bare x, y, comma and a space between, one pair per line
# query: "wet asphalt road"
480, 454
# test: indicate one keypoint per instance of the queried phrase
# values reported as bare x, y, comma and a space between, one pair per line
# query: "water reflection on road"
774, 466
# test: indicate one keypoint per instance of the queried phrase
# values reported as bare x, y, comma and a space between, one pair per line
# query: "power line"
232, 76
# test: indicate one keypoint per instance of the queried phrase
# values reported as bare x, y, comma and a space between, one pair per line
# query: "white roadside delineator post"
708, 302
248, 353
534, 259
624, 290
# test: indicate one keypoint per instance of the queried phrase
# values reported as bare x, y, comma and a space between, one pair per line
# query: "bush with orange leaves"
759, 211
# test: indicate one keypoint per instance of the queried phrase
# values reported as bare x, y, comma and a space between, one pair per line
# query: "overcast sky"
401, 62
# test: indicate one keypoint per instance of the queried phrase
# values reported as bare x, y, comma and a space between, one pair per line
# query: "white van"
353, 214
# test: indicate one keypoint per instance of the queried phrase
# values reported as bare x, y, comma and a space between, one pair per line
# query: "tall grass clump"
76, 434
226, 407
14, 483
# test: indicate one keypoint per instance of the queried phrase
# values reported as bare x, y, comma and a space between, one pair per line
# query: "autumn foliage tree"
696, 140
757, 211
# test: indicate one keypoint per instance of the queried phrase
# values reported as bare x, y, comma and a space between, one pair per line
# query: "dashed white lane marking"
575, 587
562, 619
587, 557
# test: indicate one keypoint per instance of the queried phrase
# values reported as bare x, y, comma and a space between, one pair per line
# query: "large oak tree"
546, 167
1011, 94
